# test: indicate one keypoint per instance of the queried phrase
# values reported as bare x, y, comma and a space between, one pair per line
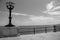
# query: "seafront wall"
8, 31
12, 31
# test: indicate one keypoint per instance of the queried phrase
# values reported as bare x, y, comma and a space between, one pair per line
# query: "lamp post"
10, 7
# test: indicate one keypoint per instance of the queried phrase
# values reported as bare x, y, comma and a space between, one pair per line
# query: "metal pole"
45, 29
34, 30
10, 18
54, 28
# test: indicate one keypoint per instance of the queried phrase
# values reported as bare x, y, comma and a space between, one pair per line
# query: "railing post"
54, 28
45, 29
34, 30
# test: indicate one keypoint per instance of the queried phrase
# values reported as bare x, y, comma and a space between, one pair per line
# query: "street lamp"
10, 7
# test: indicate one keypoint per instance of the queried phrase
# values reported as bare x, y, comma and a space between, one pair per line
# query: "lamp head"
10, 5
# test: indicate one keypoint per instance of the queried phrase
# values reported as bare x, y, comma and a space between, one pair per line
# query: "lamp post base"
9, 25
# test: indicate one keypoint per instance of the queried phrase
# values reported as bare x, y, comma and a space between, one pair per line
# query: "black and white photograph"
29, 19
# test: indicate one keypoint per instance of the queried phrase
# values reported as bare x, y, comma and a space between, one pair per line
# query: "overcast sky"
31, 12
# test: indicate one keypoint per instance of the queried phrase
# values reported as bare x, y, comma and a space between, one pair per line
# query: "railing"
37, 30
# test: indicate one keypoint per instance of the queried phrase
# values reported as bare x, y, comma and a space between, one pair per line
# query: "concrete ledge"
8, 31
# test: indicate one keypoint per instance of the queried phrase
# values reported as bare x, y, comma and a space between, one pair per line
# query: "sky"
31, 12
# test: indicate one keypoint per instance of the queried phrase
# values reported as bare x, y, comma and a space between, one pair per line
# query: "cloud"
50, 5
42, 20
34, 18
52, 8
56, 13
19, 14
58, 7
22, 14
38, 18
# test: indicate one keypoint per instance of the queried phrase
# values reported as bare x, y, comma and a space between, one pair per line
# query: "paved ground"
39, 36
